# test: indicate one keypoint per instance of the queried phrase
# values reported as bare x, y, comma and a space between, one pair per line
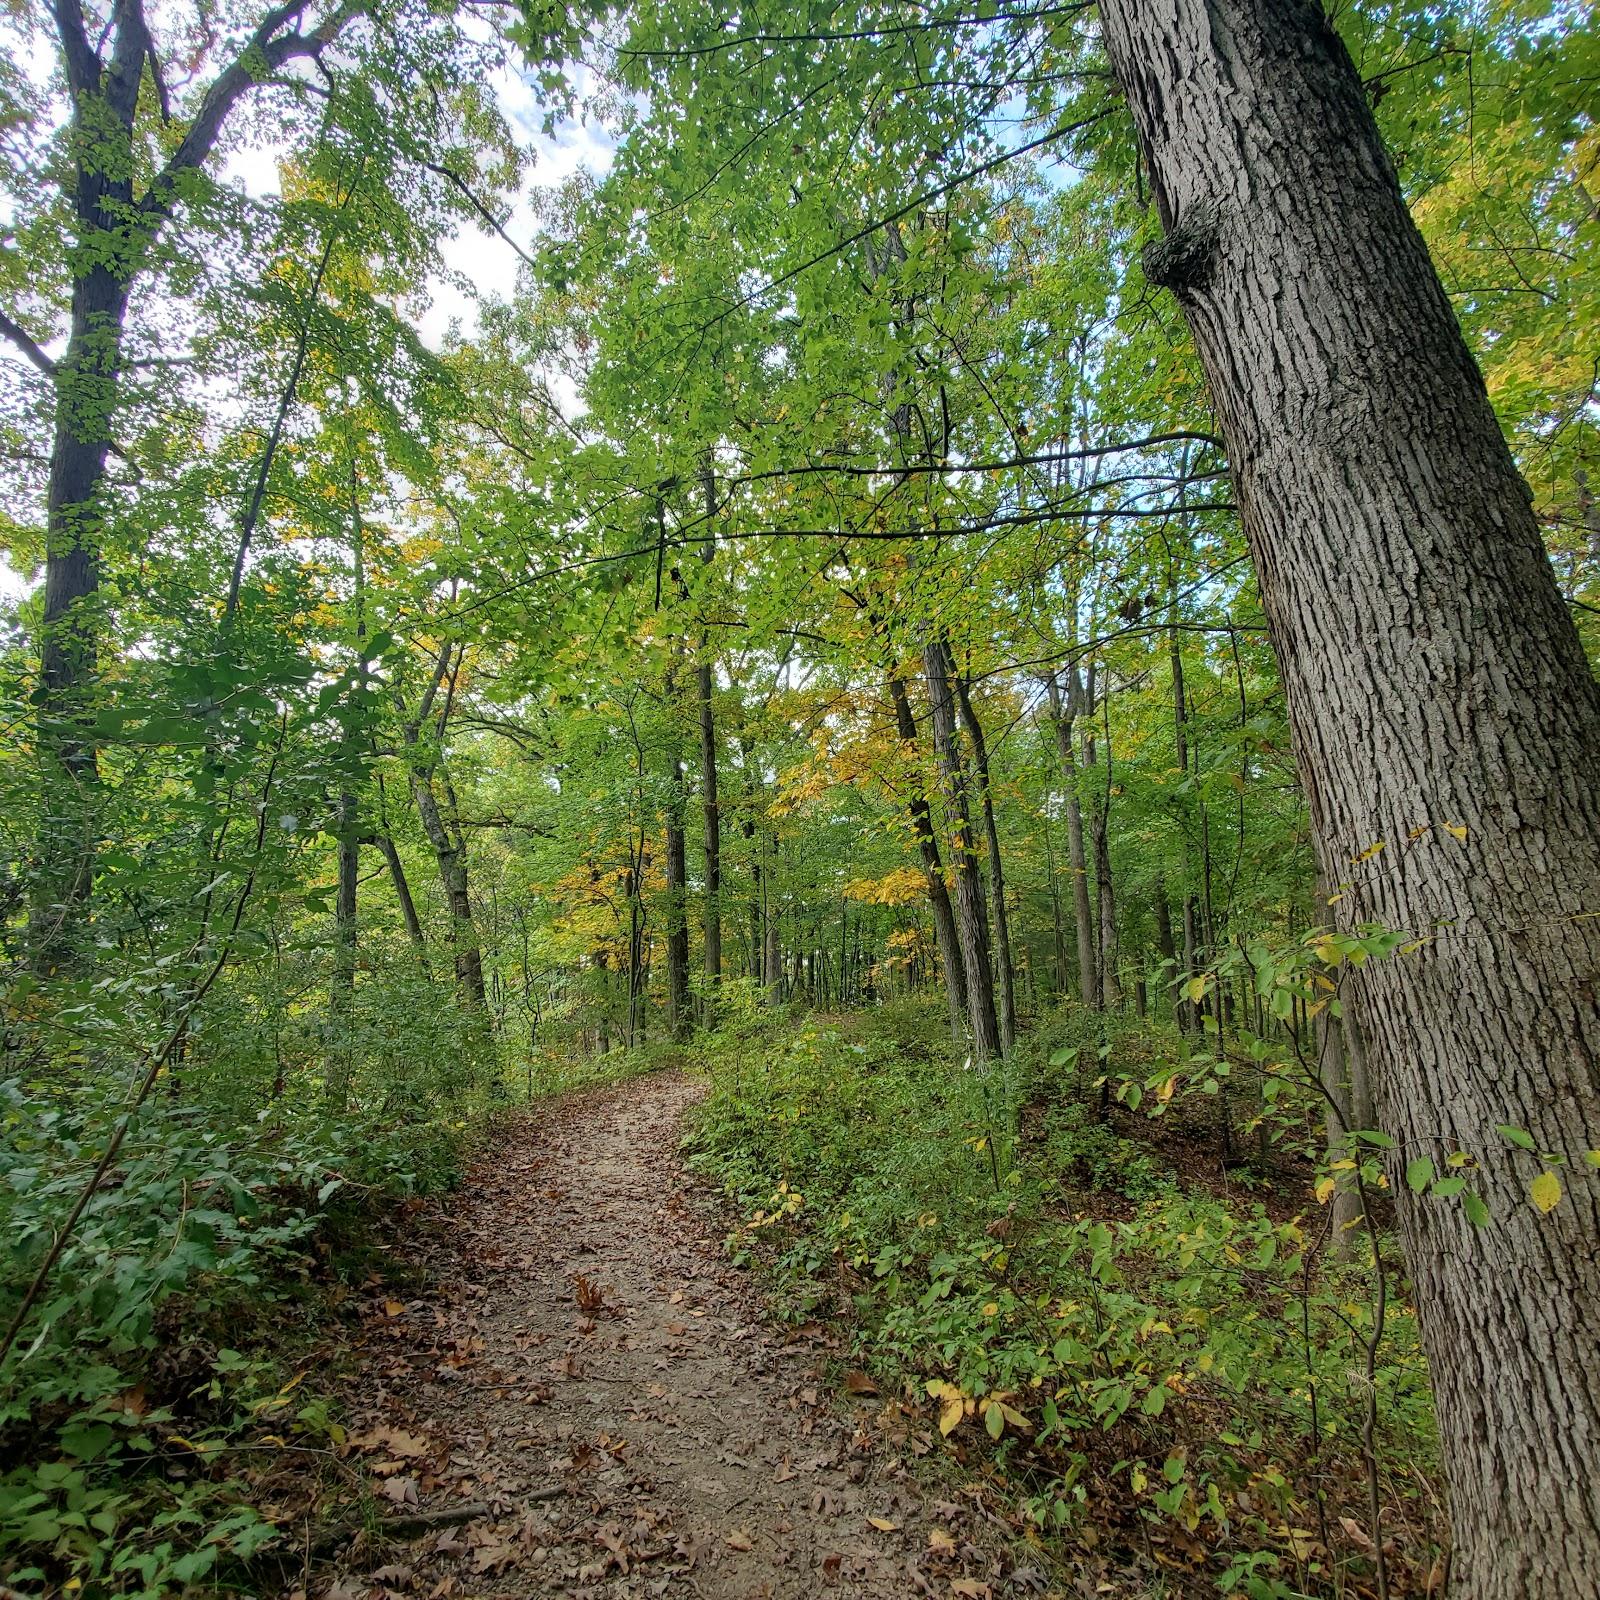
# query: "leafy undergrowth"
1160, 1372
168, 1407
157, 1400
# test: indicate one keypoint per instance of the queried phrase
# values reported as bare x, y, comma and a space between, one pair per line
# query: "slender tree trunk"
1063, 716
944, 917
451, 854
342, 992
1106, 956
971, 919
1343, 1072
1435, 682
677, 911
772, 945
710, 813
997, 883
402, 893
1165, 943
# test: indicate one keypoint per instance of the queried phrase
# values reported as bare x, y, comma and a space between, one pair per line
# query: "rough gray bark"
944, 918
1063, 715
1434, 680
972, 921
997, 882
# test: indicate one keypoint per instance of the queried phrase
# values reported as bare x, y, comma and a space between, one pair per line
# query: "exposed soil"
589, 1372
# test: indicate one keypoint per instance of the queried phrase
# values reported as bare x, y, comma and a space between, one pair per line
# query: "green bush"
1039, 1285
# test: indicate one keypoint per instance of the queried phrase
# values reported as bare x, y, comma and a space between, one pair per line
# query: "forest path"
662, 1439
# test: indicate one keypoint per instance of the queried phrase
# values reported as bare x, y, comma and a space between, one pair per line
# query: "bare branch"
26, 345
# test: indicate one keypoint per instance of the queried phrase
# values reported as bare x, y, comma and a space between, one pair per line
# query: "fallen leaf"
883, 1525
859, 1383
739, 1539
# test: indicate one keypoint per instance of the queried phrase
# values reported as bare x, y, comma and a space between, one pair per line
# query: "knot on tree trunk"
1183, 258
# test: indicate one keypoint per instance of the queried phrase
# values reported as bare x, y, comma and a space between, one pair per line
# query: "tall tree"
1443, 714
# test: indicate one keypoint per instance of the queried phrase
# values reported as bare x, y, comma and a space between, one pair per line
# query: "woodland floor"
585, 1366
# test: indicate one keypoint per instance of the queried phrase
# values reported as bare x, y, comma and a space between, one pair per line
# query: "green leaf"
1419, 1174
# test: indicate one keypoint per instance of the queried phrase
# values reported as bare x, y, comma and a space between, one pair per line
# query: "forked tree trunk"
971, 919
1434, 681
997, 881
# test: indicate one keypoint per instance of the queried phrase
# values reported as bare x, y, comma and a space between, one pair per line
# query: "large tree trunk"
1063, 714
1434, 682
997, 882
944, 918
971, 919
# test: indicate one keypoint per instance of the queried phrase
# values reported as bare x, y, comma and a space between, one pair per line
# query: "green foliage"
1128, 1351
151, 1372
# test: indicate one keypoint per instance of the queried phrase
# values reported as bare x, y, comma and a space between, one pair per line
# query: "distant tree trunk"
997, 881
1064, 716
1058, 937
1165, 944
450, 851
1434, 682
944, 917
1106, 964
1343, 1071
677, 910
342, 995
971, 919
402, 892
772, 962
710, 812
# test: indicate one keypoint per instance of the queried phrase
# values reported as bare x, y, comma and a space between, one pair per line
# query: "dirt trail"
589, 1368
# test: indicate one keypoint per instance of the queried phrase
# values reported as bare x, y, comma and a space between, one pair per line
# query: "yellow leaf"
991, 1309
1328, 951
883, 1524
1545, 1191
1325, 1191
1456, 830
950, 1415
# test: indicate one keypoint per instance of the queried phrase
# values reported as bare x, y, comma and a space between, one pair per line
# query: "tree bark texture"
971, 919
997, 882
1434, 681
